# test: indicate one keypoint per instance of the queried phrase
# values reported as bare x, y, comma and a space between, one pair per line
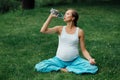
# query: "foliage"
6, 5
51, 2
59, 2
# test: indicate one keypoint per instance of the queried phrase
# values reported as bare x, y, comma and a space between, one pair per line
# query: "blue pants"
78, 65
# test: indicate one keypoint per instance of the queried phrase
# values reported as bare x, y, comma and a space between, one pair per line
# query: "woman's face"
68, 16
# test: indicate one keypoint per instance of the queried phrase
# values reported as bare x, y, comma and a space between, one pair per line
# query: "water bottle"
57, 13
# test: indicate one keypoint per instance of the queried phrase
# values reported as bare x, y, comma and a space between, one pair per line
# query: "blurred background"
6, 5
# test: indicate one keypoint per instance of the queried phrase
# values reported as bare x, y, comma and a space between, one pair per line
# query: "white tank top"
68, 45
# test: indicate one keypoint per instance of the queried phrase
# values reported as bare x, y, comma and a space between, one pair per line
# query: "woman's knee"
37, 67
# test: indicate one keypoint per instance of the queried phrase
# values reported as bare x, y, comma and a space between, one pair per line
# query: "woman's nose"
64, 16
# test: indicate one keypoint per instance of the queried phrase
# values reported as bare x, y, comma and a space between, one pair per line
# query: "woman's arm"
83, 49
45, 28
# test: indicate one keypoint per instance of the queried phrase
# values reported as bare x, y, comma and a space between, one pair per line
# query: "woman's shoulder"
59, 28
80, 31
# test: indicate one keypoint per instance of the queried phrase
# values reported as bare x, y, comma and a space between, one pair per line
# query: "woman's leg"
63, 70
52, 64
81, 65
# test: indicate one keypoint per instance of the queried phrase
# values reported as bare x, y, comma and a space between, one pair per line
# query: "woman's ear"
73, 18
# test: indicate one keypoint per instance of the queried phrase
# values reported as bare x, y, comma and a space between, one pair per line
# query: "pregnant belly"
68, 54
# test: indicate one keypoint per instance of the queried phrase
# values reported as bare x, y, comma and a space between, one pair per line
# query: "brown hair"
75, 15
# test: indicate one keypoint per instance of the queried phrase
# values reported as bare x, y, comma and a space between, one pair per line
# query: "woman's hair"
75, 15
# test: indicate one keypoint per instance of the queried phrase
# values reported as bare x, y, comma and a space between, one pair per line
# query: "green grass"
22, 46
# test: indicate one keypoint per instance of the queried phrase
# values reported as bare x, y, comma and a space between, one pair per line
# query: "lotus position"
67, 58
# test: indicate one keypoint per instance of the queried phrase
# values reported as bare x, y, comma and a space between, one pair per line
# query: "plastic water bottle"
57, 13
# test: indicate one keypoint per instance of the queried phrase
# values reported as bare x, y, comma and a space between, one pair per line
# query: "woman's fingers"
92, 61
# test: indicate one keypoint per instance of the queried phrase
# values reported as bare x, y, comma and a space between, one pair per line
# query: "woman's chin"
65, 20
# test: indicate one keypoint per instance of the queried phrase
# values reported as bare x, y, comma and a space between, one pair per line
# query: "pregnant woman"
67, 58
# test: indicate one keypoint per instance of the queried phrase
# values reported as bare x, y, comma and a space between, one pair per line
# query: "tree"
28, 4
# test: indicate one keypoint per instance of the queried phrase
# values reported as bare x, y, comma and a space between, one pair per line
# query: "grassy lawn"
22, 45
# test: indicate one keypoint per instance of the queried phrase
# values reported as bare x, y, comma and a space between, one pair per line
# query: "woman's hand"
53, 15
92, 61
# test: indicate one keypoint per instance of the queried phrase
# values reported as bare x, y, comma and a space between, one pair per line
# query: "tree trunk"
28, 4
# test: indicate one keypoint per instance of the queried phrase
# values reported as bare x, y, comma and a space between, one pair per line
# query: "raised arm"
45, 28
83, 48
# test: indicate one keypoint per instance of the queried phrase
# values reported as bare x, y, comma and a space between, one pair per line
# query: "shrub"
6, 5
50, 2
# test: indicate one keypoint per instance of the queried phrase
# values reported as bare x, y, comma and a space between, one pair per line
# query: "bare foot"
63, 70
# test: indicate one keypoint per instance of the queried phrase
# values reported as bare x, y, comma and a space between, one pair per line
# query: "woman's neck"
70, 25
